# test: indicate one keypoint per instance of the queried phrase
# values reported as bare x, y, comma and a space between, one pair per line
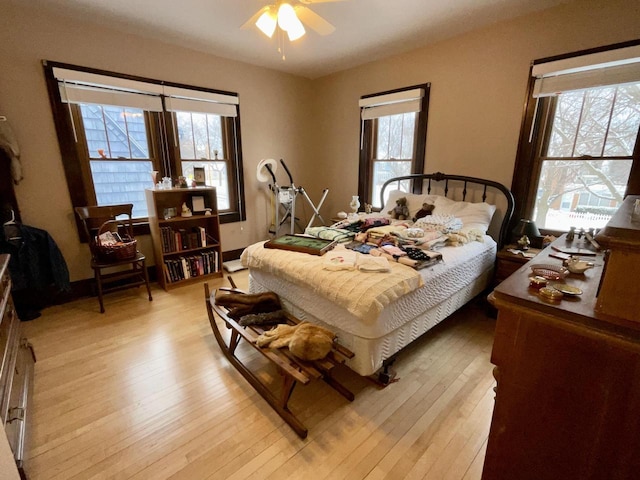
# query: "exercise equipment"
283, 198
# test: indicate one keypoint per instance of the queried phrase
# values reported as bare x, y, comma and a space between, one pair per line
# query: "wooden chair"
95, 218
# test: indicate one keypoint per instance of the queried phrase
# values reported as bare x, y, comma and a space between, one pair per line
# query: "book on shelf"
203, 236
167, 274
184, 239
185, 268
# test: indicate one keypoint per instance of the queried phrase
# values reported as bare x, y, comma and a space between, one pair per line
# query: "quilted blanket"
364, 294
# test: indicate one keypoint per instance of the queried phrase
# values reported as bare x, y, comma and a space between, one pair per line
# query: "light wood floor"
143, 392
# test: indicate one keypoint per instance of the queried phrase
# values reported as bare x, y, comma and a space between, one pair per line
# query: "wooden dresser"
16, 371
568, 382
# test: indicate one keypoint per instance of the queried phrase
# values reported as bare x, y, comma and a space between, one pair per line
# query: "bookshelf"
186, 249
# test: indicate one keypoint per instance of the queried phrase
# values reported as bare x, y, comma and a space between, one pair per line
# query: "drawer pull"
15, 413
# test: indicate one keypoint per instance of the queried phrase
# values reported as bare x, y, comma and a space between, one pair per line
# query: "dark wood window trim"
368, 132
534, 134
159, 132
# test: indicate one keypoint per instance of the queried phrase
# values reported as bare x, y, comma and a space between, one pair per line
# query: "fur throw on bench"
241, 304
305, 340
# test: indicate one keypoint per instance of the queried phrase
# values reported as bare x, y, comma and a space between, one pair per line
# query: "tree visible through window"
394, 126
394, 151
586, 164
201, 145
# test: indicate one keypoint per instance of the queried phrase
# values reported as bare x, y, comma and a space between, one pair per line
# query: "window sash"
540, 142
231, 158
395, 102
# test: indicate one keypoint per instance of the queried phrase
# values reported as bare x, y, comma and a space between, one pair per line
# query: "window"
580, 155
393, 139
118, 152
587, 158
116, 130
200, 139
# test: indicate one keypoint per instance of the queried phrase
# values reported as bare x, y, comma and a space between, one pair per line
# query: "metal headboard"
418, 182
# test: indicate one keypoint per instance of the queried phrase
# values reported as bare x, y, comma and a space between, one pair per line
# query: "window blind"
406, 101
77, 86
612, 67
186, 100
70, 93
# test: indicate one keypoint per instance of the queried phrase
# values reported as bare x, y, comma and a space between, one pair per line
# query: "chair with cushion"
100, 220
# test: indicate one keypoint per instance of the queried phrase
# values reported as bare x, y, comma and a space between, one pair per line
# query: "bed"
408, 301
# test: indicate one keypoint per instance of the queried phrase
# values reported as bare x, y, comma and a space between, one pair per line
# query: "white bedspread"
363, 294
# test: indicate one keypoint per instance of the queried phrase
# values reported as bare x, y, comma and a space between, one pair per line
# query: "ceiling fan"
289, 16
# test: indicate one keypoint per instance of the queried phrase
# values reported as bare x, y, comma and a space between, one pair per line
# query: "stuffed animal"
426, 209
400, 211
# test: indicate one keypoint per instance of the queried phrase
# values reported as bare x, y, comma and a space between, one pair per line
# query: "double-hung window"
393, 138
582, 154
205, 133
118, 132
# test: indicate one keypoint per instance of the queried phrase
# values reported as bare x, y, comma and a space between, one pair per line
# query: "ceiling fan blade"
313, 20
252, 21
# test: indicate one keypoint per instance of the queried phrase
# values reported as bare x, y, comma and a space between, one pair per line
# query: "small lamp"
525, 232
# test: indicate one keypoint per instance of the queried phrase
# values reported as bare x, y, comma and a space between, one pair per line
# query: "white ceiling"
366, 30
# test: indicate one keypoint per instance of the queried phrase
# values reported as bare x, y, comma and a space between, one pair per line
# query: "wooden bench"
294, 370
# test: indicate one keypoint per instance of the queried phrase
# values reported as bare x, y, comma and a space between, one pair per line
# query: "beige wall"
478, 85
274, 120
477, 80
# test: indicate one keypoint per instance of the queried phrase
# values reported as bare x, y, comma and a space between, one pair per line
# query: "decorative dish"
537, 282
567, 289
551, 294
549, 271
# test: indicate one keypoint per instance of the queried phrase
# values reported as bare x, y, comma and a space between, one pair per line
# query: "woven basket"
114, 253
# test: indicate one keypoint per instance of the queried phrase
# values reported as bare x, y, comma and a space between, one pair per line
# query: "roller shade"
407, 101
77, 86
613, 67
185, 100
70, 93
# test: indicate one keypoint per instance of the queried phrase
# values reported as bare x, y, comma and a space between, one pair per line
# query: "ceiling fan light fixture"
289, 22
296, 30
267, 23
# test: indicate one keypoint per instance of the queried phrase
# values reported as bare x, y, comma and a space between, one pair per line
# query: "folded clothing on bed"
369, 263
339, 258
339, 235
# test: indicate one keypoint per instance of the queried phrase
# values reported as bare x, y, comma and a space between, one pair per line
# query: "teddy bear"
400, 211
426, 209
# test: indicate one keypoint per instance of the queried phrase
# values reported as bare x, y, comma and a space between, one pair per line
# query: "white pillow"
473, 215
414, 201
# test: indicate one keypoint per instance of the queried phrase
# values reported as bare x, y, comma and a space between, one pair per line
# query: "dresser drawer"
9, 339
8, 321
16, 426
